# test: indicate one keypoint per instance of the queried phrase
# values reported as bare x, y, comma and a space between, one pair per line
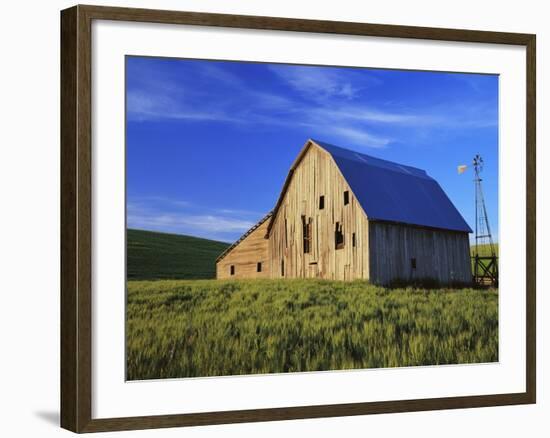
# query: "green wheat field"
191, 328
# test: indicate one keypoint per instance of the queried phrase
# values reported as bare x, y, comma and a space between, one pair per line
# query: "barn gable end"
314, 197
248, 257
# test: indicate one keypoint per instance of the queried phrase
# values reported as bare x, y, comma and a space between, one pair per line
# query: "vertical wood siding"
253, 249
317, 175
439, 254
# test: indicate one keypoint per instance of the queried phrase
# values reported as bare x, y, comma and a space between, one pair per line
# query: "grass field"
182, 328
153, 255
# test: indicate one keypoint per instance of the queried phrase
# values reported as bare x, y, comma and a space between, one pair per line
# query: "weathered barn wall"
317, 175
441, 255
244, 257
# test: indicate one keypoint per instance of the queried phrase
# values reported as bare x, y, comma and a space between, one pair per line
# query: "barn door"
347, 274
313, 270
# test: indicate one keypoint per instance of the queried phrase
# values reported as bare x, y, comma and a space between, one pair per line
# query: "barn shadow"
429, 283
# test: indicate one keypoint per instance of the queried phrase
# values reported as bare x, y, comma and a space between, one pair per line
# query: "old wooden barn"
344, 215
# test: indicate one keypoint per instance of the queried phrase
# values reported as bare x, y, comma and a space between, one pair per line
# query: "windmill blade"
462, 168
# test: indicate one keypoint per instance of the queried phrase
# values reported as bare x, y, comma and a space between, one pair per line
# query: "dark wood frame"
76, 238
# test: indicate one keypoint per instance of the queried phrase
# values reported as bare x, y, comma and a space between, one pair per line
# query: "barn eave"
419, 226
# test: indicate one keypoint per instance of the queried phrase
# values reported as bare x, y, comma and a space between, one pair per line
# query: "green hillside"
484, 250
152, 255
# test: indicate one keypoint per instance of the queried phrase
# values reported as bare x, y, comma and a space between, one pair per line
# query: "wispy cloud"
142, 106
465, 115
214, 73
153, 199
328, 102
359, 137
195, 225
315, 83
167, 98
232, 211
476, 82
357, 113
317, 111
159, 213
319, 84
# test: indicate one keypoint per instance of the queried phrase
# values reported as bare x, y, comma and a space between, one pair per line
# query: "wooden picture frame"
76, 218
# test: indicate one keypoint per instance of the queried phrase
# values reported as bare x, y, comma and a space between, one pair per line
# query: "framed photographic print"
270, 218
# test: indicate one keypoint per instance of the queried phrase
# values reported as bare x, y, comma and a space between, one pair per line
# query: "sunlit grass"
188, 328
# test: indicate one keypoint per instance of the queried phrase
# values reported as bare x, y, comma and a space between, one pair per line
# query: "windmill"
485, 260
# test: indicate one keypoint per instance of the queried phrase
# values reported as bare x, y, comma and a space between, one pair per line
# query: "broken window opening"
306, 232
338, 236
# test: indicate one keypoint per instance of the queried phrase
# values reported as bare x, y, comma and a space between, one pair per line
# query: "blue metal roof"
393, 192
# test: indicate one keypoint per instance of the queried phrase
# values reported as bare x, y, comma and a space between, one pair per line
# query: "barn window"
413, 263
338, 236
321, 202
306, 232
232, 270
346, 197
353, 243
282, 267
259, 267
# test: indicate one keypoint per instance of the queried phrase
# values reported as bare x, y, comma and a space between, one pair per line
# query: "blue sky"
209, 143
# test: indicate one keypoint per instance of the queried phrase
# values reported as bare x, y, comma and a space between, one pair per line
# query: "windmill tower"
485, 260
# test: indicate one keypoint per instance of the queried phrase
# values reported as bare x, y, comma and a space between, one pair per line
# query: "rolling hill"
153, 255
484, 250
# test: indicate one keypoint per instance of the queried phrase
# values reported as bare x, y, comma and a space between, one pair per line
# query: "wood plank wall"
439, 254
318, 175
245, 257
